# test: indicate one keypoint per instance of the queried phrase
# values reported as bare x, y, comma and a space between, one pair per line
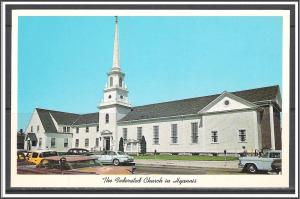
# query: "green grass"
185, 157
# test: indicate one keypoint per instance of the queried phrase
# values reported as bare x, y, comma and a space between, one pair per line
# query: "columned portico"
107, 140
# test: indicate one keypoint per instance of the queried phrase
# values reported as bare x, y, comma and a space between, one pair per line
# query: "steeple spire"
115, 91
116, 65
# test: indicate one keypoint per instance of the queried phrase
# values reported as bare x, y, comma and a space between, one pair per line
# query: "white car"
114, 157
259, 163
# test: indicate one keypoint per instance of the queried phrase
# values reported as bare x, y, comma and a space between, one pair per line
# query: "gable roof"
194, 105
64, 118
226, 94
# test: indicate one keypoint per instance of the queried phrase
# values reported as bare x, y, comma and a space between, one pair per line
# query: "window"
226, 102
194, 132
38, 128
87, 129
107, 118
111, 81
125, 133
139, 133
97, 141
86, 142
155, 135
97, 128
77, 129
40, 142
68, 129
64, 129
120, 81
66, 142
214, 136
242, 135
274, 155
128, 146
52, 142
77, 143
34, 155
31, 129
174, 137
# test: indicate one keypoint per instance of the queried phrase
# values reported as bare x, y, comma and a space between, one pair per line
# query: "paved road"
146, 169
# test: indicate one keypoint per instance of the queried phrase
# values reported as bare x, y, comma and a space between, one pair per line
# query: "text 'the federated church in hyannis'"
231, 121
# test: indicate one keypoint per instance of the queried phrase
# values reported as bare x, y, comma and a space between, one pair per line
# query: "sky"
63, 61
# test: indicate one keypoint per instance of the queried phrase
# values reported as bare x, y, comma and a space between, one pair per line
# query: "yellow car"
35, 157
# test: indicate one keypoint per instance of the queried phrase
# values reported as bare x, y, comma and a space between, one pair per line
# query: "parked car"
74, 165
35, 157
78, 151
259, 163
114, 157
276, 166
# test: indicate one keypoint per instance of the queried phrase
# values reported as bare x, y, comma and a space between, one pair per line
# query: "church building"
232, 121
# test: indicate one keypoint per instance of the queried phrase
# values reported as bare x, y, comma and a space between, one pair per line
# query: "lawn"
185, 157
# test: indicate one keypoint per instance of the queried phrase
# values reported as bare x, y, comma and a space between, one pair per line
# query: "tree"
121, 144
143, 146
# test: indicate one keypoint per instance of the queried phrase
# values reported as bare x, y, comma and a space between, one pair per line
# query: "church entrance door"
107, 144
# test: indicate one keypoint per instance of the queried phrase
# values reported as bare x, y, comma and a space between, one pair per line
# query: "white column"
256, 130
272, 126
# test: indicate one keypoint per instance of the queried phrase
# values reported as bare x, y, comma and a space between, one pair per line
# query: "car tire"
251, 168
116, 162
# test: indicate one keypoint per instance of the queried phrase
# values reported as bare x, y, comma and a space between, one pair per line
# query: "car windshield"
121, 153
265, 155
49, 154
84, 163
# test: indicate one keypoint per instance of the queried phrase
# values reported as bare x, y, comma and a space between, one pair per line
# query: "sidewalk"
185, 163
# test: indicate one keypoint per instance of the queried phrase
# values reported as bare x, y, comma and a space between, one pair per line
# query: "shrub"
143, 146
121, 145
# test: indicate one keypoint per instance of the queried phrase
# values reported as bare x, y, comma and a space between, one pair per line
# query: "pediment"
106, 132
227, 102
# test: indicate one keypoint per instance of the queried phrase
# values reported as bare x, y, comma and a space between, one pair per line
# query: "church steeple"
115, 91
116, 56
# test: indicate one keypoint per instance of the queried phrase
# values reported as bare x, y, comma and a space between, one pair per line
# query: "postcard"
149, 98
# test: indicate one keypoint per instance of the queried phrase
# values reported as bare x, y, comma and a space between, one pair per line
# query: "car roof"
277, 151
78, 149
42, 150
71, 158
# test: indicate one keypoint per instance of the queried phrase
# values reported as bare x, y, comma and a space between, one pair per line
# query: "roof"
164, 109
193, 105
64, 118
90, 118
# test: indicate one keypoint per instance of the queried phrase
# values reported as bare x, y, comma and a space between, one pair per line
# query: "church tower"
114, 104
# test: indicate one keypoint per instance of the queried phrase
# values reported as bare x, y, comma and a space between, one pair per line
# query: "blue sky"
63, 61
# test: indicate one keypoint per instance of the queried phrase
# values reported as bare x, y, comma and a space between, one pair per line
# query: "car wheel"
251, 168
116, 162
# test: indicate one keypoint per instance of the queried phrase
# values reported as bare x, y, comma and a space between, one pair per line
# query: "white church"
232, 121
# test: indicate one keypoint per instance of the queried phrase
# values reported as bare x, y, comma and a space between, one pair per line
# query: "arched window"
106, 118
111, 81
120, 81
